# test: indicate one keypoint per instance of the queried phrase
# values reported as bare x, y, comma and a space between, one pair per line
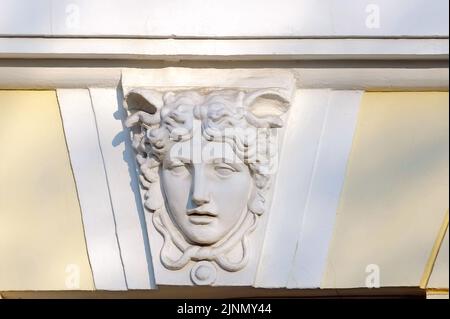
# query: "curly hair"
224, 117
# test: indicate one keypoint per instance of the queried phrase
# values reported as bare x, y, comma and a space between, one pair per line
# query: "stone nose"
200, 193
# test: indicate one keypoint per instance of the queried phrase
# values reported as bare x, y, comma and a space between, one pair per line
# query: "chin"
203, 235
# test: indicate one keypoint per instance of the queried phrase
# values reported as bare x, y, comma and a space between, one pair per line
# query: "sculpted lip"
200, 216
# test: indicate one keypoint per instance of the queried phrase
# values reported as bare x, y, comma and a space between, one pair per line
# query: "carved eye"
178, 168
224, 170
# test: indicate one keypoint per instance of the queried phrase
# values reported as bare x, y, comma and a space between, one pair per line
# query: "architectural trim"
321, 128
93, 190
225, 49
54, 75
324, 192
429, 267
123, 187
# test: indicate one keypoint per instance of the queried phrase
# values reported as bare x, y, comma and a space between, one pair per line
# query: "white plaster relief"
318, 135
206, 158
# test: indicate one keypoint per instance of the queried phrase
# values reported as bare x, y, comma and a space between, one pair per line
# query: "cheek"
176, 189
232, 194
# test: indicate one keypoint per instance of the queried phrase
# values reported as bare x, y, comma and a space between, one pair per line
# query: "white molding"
57, 77
324, 192
317, 143
190, 78
123, 185
225, 49
301, 140
338, 77
93, 193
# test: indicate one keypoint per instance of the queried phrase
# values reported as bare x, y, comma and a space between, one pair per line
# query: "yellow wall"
395, 192
41, 230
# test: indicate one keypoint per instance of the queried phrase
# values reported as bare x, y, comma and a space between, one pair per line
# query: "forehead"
202, 151
186, 100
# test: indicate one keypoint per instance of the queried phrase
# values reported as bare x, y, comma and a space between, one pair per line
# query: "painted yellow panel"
42, 245
395, 192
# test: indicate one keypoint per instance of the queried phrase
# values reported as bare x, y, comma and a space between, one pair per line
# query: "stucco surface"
395, 193
42, 245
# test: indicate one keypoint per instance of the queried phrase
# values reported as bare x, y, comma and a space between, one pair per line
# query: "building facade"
197, 149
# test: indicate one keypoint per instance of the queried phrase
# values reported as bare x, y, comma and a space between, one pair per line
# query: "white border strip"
304, 128
325, 190
339, 77
119, 161
226, 50
303, 210
89, 172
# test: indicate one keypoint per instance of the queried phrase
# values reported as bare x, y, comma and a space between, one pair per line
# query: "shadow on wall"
130, 159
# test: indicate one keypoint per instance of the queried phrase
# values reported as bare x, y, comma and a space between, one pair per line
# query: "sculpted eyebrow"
172, 160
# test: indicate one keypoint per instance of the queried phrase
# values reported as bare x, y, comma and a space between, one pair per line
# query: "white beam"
315, 151
402, 78
123, 186
299, 152
89, 172
225, 49
324, 192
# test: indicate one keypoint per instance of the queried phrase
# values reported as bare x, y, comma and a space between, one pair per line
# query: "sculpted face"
205, 158
206, 198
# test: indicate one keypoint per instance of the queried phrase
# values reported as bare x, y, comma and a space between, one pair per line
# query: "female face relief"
206, 198
205, 161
